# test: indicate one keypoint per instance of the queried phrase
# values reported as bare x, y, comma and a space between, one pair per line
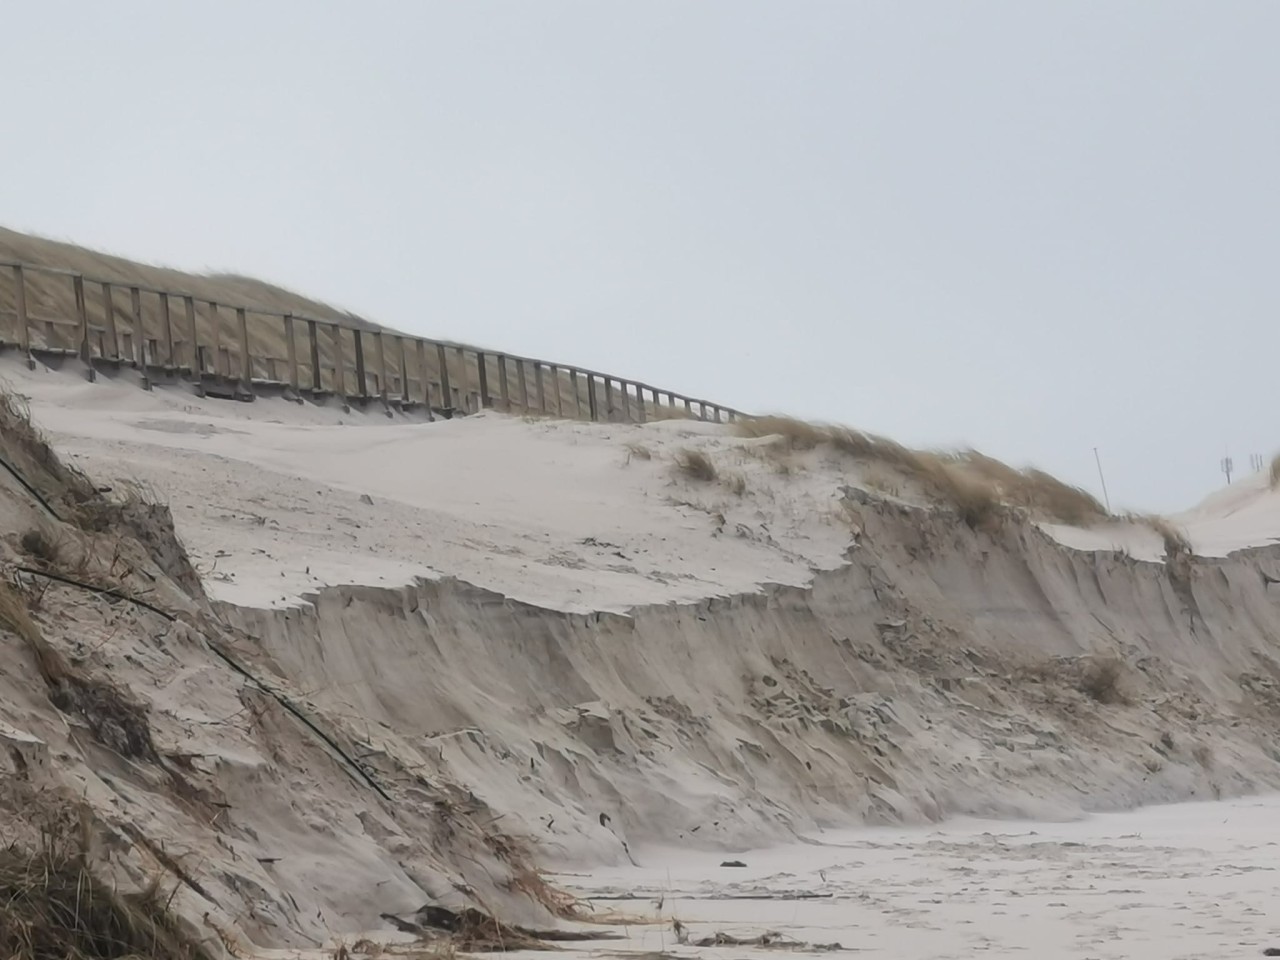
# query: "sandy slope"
275, 499
609, 657
198, 769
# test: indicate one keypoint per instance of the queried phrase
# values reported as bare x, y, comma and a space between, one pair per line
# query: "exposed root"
696, 465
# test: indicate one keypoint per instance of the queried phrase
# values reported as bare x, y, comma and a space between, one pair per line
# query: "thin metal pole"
1105, 497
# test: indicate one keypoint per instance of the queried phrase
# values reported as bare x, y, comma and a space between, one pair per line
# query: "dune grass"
1175, 540
52, 905
639, 451
976, 484
696, 465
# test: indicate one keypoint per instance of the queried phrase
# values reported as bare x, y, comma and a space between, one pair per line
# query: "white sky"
1032, 227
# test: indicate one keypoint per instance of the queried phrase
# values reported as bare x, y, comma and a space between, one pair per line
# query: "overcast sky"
1031, 227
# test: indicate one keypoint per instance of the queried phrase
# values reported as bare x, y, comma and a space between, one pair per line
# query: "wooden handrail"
601, 403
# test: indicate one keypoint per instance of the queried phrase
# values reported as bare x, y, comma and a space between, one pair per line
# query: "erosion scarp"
127, 706
297, 774
942, 671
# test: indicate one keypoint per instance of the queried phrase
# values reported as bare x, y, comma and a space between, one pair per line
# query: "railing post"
523, 383
555, 379
404, 371
139, 339
380, 354
109, 315
291, 351
574, 388
82, 314
166, 323
246, 359
339, 363
464, 376
445, 388
362, 384
481, 361
504, 388
313, 338
20, 307
189, 305
118, 344
426, 380
215, 327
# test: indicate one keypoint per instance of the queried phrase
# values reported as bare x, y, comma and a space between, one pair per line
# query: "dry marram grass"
27, 451
638, 451
977, 485
53, 907
736, 482
797, 434
1275, 471
696, 465
881, 482
15, 618
75, 500
112, 716
1175, 540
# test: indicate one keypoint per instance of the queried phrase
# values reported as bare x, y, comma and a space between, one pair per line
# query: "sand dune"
276, 500
556, 633
273, 499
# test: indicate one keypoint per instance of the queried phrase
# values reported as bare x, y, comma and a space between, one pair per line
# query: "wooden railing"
244, 349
